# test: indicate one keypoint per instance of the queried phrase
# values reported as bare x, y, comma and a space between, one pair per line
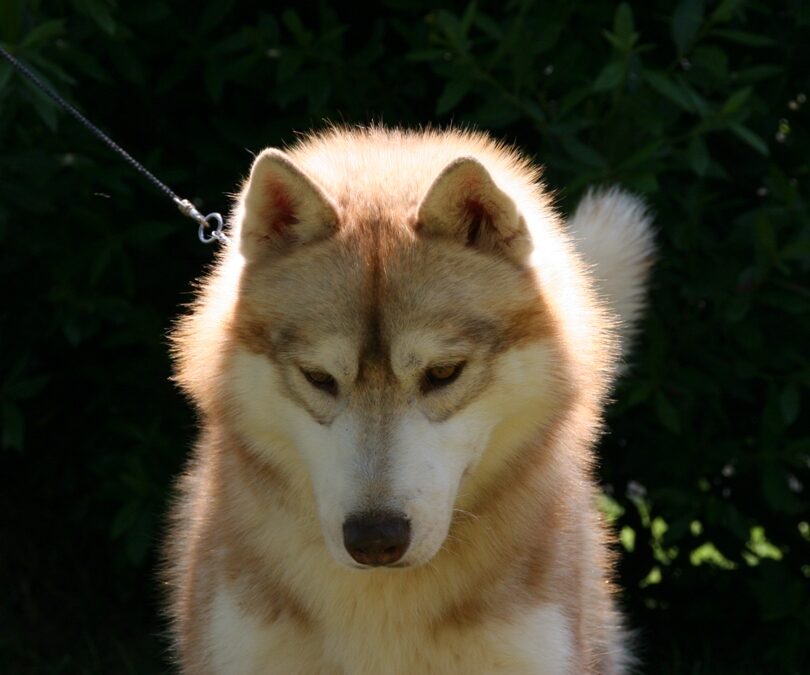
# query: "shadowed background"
700, 106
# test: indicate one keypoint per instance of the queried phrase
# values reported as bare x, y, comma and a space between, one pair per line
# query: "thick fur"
612, 230
373, 255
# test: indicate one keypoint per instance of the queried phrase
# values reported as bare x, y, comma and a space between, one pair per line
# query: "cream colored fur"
612, 230
373, 255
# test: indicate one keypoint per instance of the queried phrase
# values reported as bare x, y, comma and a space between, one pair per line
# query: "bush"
700, 106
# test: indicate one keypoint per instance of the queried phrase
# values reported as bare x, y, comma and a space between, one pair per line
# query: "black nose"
376, 538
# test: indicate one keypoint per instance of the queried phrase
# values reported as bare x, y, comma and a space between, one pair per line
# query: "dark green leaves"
686, 20
700, 106
623, 36
610, 76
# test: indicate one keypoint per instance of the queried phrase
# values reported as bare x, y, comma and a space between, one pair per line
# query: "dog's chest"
537, 643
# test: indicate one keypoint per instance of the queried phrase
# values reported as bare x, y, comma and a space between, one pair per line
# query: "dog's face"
395, 354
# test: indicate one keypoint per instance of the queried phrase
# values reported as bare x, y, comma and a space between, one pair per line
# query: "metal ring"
216, 233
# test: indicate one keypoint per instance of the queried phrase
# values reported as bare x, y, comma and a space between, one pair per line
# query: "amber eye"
321, 380
441, 375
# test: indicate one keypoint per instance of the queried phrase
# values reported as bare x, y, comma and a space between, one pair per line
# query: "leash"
210, 226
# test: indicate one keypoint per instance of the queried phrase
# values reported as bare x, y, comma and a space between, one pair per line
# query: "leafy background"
701, 106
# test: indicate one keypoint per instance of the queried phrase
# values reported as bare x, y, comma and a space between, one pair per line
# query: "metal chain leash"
210, 226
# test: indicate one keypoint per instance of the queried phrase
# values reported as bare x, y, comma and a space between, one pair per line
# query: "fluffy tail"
613, 232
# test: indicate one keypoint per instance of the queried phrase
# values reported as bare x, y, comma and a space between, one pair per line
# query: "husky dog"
400, 363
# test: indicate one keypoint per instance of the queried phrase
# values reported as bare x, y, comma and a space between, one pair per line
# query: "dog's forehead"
386, 294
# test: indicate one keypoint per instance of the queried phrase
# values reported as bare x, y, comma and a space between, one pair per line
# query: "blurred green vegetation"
701, 106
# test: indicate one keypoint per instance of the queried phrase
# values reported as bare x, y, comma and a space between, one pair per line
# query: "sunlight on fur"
400, 362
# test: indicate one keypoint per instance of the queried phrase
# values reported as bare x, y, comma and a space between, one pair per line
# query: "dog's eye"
321, 380
441, 375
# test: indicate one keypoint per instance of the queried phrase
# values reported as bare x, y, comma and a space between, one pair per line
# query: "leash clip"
212, 222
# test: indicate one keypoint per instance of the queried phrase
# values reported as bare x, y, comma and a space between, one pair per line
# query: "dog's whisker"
468, 514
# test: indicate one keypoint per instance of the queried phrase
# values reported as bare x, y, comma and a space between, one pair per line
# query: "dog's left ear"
283, 206
465, 204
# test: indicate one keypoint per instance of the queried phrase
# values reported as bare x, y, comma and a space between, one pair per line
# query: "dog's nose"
376, 538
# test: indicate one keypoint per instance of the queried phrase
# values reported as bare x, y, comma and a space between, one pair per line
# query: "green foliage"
701, 106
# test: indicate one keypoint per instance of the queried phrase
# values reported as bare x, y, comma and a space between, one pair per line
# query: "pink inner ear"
279, 212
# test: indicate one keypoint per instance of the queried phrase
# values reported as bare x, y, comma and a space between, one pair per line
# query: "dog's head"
394, 346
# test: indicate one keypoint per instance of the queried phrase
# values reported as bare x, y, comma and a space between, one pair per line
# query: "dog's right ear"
466, 205
283, 206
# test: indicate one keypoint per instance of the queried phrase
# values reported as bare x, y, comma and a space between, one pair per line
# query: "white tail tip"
613, 232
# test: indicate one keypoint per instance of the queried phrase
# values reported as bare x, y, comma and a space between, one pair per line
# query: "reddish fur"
518, 542
280, 214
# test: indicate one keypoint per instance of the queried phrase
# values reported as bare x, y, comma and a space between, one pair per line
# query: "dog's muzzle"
376, 538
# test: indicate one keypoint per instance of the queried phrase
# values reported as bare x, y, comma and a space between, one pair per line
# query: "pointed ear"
283, 206
465, 204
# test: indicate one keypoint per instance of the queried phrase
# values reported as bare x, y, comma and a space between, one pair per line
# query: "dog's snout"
376, 538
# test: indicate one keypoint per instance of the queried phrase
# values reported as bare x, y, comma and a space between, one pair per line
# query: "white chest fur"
536, 643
